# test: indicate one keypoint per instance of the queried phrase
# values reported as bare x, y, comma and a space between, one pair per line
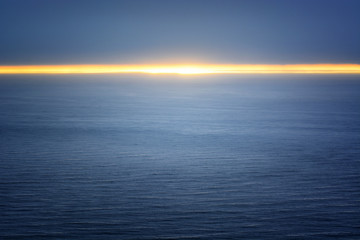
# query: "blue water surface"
127, 158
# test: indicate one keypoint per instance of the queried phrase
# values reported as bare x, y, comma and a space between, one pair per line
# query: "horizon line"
183, 69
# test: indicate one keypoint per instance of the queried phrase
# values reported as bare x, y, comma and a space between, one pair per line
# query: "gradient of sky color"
178, 31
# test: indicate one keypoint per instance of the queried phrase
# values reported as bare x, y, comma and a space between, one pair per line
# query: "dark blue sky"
69, 31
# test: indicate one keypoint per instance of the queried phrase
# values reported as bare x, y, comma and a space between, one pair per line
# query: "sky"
179, 31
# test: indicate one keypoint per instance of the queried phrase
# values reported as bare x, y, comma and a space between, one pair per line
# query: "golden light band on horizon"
184, 69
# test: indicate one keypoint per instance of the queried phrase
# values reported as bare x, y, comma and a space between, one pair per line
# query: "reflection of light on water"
185, 69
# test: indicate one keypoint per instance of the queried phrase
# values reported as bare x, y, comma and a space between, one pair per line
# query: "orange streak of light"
185, 69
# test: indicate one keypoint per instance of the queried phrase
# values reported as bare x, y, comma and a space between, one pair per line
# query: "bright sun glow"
185, 69
178, 70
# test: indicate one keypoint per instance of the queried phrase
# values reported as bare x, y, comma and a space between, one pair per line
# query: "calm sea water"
144, 159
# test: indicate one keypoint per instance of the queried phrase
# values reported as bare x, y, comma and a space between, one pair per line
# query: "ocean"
179, 157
